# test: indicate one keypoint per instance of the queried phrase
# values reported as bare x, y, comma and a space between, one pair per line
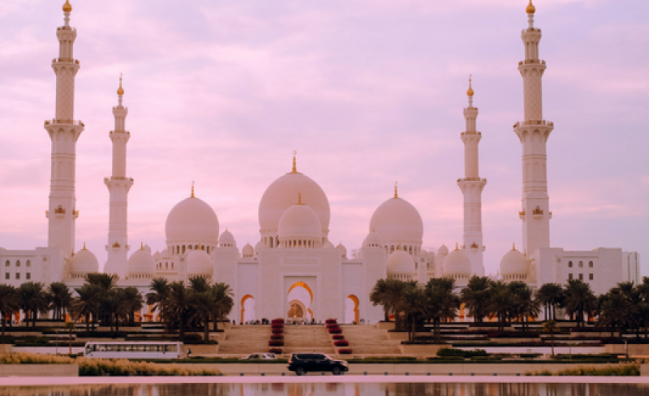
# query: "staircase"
369, 340
245, 339
298, 339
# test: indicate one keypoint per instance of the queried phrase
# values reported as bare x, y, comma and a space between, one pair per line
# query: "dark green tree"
580, 300
9, 303
441, 303
550, 296
33, 299
475, 297
60, 298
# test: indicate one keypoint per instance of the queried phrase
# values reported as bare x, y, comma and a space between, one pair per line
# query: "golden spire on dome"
192, 196
294, 170
530, 8
120, 90
67, 7
396, 193
470, 91
514, 246
84, 246
457, 246
141, 245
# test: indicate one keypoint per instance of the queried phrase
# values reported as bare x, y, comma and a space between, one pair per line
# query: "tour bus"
133, 350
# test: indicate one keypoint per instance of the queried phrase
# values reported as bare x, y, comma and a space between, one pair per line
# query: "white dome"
84, 262
443, 250
299, 221
281, 195
513, 263
157, 255
165, 253
373, 239
248, 251
199, 263
193, 221
400, 262
457, 263
227, 239
141, 262
327, 245
397, 221
342, 249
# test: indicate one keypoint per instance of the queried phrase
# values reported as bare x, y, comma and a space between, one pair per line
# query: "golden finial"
120, 90
141, 245
67, 7
396, 193
84, 246
457, 247
470, 91
294, 170
299, 199
530, 8
514, 246
192, 190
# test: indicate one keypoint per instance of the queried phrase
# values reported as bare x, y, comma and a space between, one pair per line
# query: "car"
260, 356
302, 363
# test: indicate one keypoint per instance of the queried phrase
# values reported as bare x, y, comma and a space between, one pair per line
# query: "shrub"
277, 325
447, 358
446, 352
278, 320
277, 331
7, 339
331, 321
34, 358
345, 351
622, 370
331, 325
335, 331
338, 337
275, 343
275, 350
530, 355
341, 343
276, 337
98, 367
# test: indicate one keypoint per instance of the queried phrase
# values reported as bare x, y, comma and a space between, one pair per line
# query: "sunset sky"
367, 91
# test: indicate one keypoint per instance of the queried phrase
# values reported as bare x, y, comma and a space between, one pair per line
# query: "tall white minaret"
471, 186
533, 133
118, 186
64, 132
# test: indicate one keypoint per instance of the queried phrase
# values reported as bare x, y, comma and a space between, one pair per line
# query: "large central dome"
398, 222
192, 221
280, 196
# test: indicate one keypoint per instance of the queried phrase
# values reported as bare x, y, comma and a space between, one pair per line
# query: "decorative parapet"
531, 62
59, 210
534, 123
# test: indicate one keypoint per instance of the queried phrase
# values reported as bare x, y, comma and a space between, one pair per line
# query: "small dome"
373, 239
442, 251
141, 262
199, 263
157, 255
327, 245
342, 249
457, 263
227, 239
84, 262
260, 245
67, 7
398, 222
299, 221
400, 263
165, 253
513, 263
193, 221
248, 251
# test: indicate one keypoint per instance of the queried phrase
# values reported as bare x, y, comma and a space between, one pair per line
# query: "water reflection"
333, 389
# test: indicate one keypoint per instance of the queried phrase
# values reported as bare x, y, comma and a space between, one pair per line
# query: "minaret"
118, 186
533, 133
64, 132
471, 186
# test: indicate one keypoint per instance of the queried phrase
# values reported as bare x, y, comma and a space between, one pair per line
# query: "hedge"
341, 343
276, 337
274, 343
338, 337
446, 352
335, 331
346, 351
277, 331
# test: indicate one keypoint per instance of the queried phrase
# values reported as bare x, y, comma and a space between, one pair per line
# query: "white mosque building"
294, 266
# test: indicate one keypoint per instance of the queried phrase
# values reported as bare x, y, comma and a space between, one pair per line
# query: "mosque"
294, 271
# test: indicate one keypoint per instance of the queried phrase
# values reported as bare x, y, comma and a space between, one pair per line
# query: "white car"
260, 356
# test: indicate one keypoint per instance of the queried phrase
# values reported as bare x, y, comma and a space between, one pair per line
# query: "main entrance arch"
351, 309
247, 308
300, 298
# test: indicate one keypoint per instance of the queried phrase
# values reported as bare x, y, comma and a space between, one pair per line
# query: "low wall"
5, 348
201, 350
39, 370
634, 350
386, 325
421, 349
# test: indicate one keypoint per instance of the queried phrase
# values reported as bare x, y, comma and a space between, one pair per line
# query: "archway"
351, 309
247, 308
301, 293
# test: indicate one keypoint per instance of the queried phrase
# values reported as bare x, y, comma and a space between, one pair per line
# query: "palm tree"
116, 306
551, 327
199, 283
33, 299
224, 302
524, 305
9, 303
616, 312
179, 307
441, 302
60, 298
86, 304
378, 296
500, 302
633, 294
475, 296
580, 300
158, 295
551, 296
104, 282
204, 305
134, 303
413, 306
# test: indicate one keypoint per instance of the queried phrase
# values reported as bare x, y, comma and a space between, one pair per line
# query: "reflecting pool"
333, 389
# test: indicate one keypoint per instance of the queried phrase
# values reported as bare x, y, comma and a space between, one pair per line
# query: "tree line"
624, 307
99, 301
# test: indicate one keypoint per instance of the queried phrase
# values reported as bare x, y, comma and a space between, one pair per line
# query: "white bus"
133, 350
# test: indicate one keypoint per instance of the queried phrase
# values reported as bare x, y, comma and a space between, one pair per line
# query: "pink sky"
367, 92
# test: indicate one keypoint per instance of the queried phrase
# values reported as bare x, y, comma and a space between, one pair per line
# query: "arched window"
569, 264
581, 264
590, 265
7, 263
28, 264
17, 263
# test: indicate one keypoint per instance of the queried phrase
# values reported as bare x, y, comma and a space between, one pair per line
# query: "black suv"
302, 363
